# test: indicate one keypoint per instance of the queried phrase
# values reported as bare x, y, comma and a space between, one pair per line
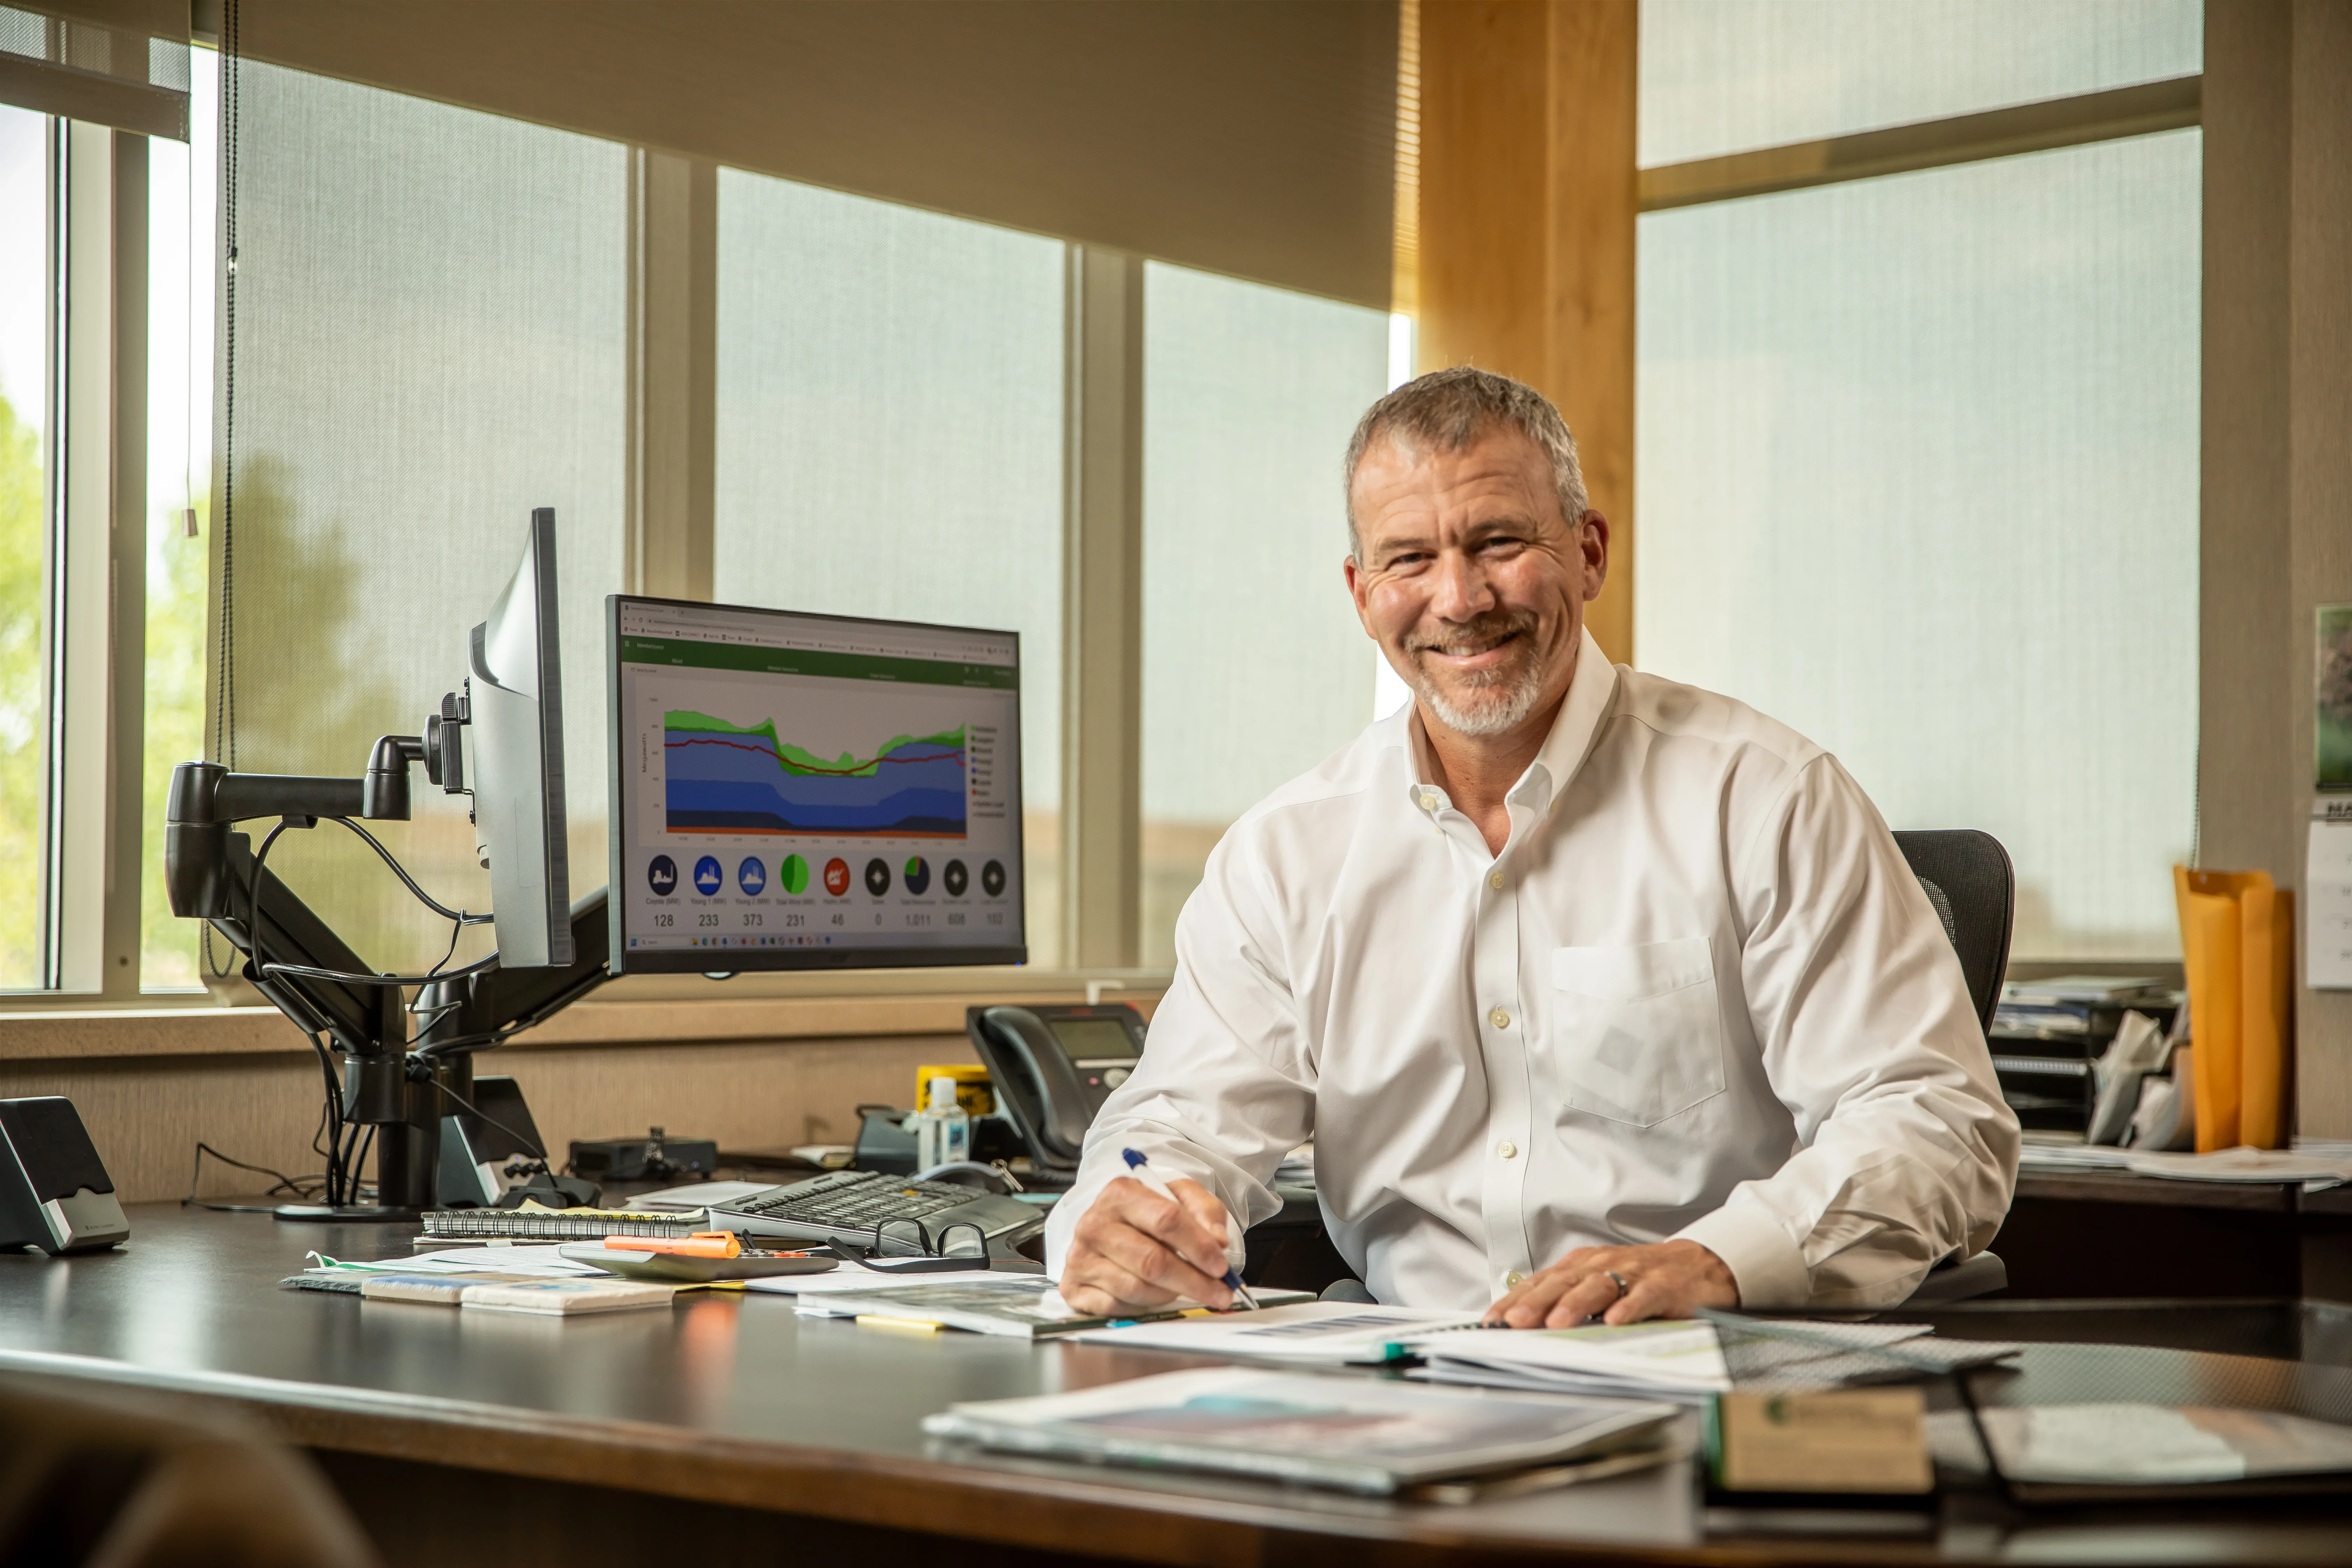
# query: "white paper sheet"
2327, 905
1337, 1332
850, 1279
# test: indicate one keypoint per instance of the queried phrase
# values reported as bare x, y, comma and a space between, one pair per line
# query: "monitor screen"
809, 792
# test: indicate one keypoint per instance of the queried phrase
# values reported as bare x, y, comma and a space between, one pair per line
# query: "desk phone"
1052, 1068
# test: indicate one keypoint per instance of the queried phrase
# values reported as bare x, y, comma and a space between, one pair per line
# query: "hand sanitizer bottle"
943, 1136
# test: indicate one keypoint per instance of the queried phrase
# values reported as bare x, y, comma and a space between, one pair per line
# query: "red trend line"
830, 773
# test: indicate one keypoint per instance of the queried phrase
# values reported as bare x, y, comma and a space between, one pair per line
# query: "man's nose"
1461, 592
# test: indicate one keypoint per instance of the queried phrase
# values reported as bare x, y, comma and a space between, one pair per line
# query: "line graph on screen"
723, 777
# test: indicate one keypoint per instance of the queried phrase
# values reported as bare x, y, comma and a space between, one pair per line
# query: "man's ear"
1352, 573
1592, 546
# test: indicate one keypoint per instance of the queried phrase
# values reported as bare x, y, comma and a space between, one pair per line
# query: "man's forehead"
1405, 483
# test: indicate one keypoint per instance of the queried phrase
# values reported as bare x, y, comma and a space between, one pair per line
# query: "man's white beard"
1502, 701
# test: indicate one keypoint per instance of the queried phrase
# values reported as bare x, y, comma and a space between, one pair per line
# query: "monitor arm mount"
399, 1085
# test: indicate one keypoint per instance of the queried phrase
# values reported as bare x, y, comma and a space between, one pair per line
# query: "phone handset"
1040, 1082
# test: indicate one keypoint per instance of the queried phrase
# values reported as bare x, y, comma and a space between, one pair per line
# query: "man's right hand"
1135, 1248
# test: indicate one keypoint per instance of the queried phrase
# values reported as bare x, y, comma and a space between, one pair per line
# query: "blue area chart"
733, 781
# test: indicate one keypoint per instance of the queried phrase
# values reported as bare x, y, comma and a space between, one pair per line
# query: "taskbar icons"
791, 876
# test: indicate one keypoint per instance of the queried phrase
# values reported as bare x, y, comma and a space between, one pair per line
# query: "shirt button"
1499, 1019
1507, 1150
1511, 1280
1495, 880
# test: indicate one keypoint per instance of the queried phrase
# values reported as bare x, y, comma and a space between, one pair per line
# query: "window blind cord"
225, 675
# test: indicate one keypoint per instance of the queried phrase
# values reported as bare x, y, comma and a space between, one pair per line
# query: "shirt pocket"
1637, 1036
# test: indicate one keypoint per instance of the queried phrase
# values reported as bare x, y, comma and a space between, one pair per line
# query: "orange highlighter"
701, 1244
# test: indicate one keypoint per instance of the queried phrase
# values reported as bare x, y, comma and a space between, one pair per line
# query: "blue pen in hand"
1140, 1168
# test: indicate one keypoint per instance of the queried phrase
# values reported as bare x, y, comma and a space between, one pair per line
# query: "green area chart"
723, 777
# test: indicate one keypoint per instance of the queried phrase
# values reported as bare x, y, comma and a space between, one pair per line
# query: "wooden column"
1526, 238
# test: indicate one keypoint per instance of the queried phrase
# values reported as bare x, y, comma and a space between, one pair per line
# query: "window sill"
641, 1009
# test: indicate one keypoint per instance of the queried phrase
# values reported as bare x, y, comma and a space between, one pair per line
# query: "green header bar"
831, 666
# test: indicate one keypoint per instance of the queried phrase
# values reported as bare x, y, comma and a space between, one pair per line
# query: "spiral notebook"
559, 1225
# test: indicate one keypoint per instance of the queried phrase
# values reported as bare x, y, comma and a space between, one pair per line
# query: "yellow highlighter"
701, 1244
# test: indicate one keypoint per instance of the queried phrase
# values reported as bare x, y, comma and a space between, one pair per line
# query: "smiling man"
1599, 995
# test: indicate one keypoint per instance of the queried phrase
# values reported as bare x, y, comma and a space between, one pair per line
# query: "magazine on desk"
1357, 1434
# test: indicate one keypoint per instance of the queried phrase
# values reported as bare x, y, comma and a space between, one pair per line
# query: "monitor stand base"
348, 1214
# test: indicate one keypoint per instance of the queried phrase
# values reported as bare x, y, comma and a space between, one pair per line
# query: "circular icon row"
793, 876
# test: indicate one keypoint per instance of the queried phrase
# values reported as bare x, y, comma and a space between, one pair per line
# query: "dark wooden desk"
2109, 1234
730, 1430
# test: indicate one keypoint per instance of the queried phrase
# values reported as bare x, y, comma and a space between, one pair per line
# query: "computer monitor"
811, 792
516, 767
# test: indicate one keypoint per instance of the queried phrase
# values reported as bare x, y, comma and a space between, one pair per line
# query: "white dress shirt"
1699, 994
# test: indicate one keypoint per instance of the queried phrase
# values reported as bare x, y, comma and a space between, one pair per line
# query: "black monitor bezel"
621, 960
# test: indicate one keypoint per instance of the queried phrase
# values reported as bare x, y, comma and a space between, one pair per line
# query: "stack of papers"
1359, 1435
1684, 1361
2316, 1169
546, 1262
1342, 1332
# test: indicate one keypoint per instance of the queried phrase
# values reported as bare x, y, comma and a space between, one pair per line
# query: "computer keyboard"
849, 1204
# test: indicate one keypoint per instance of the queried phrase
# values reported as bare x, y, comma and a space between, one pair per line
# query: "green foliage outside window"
175, 717
20, 700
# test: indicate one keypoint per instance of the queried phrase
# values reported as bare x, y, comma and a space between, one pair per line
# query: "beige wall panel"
146, 1116
1527, 227
2318, 564
1256, 139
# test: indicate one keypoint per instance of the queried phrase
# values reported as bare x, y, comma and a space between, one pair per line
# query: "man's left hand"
1669, 1279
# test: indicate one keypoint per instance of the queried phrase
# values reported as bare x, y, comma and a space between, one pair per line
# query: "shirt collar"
1589, 691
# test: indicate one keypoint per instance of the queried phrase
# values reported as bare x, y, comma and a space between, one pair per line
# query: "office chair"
102, 1475
1966, 876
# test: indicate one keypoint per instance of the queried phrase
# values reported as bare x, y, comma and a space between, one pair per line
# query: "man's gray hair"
1446, 410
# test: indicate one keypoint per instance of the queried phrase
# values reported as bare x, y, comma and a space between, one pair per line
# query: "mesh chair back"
1966, 876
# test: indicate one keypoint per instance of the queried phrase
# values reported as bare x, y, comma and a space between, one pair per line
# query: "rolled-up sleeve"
1906, 1152
1227, 1086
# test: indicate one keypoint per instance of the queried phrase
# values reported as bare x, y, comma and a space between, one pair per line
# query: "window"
1726, 76
25, 319
1918, 455
437, 328
1255, 668
432, 310
889, 440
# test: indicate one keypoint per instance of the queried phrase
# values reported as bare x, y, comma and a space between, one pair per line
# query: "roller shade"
122, 63
1253, 140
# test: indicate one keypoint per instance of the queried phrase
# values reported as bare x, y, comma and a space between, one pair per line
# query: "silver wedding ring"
1622, 1286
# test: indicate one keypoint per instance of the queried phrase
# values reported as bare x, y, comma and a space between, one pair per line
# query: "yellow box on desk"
972, 1089
1845, 1441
